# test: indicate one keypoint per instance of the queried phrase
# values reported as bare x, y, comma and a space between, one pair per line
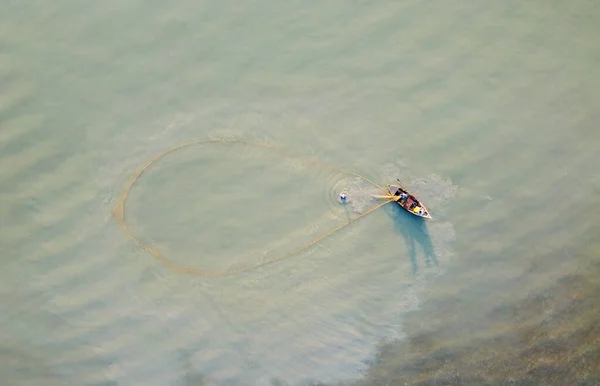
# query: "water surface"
487, 111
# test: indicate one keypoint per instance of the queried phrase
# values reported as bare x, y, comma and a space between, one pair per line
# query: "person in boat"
403, 198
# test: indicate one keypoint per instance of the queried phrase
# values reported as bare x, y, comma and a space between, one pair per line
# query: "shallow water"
487, 112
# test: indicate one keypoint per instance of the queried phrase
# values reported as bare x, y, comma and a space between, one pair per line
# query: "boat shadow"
416, 234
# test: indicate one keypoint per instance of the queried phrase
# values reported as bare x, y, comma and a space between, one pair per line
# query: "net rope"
119, 209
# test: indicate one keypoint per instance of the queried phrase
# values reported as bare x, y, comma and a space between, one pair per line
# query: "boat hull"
408, 201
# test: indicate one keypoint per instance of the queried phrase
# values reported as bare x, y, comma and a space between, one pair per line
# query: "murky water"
488, 112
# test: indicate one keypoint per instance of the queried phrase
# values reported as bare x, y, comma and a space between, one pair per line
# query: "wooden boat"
407, 201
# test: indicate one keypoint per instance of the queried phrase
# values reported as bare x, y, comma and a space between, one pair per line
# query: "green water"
488, 112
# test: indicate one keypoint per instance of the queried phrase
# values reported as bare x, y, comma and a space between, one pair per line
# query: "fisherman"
403, 197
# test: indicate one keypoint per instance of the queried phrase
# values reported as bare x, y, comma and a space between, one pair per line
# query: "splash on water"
360, 195
433, 190
436, 187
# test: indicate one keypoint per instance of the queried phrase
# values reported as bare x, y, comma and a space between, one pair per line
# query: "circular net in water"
120, 207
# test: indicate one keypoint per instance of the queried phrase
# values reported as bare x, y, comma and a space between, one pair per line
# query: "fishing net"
254, 170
